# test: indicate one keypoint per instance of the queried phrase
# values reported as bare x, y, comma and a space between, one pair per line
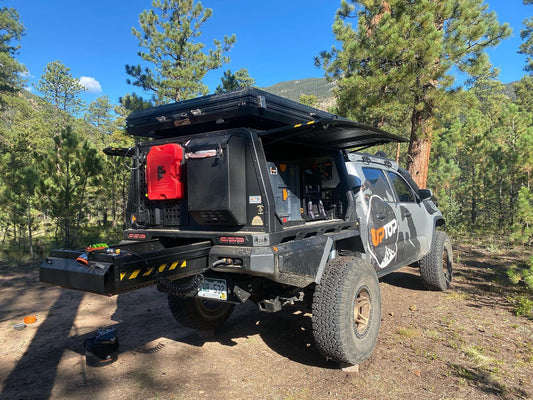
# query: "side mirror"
425, 194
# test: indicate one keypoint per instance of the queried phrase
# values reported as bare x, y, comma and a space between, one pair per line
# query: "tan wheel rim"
361, 312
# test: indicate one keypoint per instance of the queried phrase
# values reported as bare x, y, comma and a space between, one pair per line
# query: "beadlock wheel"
362, 311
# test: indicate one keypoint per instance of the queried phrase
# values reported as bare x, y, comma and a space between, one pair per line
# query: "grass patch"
433, 334
408, 332
465, 373
458, 296
430, 355
522, 304
448, 321
484, 361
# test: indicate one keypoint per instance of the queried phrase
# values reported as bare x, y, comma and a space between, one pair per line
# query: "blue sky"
276, 40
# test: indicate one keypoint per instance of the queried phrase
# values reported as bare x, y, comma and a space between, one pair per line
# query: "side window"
377, 184
404, 192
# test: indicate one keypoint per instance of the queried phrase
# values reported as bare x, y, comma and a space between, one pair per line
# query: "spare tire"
196, 313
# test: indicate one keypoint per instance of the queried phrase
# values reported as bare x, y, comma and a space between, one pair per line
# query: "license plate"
213, 289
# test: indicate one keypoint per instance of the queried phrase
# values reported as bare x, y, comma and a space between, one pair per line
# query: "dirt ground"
462, 344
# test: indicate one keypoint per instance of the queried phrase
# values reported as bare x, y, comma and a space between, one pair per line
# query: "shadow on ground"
406, 278
36, 370
289, 333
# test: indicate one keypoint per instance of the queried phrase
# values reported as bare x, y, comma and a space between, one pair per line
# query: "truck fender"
330, 249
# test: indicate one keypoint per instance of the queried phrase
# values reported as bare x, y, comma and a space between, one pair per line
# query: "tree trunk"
30, 233
473, 209
420, 144
398, 152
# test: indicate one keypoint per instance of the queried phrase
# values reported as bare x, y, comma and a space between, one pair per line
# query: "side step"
124, 267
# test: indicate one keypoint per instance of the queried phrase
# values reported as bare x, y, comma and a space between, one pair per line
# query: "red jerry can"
163, 172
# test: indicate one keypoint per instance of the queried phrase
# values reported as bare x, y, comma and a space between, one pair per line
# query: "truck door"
414, 225
378, 219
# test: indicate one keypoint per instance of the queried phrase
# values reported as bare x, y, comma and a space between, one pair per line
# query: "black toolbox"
248, 107
124, 267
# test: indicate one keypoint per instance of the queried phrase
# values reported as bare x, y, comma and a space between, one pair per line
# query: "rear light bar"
137, 236
231, 240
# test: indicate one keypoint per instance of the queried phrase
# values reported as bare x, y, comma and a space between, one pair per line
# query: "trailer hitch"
190, 286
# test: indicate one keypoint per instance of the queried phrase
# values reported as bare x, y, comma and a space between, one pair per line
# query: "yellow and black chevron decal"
147, 271
300, 125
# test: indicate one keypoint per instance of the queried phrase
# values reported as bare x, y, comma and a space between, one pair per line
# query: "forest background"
392, 68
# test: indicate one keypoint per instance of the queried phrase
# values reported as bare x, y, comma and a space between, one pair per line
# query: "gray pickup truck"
249, 196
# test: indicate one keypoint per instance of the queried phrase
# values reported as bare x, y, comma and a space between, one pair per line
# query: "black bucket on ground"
102, 349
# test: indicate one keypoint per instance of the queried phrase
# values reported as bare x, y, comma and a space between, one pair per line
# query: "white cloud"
26, 74
28, 88
90, 84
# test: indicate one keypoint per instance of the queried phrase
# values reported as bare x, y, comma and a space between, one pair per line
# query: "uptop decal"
382, 231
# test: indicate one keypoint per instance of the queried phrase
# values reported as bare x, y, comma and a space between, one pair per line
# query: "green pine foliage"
133, 102
175, 62
527, 36
68, 170
522, 276
310, 100
394, 68
523, 226
233, 81
60, 89
11, 30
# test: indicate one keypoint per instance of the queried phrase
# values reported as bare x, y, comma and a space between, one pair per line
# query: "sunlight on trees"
396, 64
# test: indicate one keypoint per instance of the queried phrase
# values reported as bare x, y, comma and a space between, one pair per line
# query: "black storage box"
217, 186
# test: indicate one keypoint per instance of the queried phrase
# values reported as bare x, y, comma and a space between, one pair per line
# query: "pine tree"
527, 36
179, 62
60, 89
397, 63
114, 178
233, 81
68, 170
133, 102
100, 114
10, 72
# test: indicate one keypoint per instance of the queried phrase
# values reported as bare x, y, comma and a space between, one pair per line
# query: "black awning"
332, 134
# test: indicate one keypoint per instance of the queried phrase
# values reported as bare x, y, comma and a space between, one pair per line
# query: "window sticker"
254, 199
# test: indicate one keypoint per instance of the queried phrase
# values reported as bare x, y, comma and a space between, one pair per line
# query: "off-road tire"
347, 310
199, 314
436, 267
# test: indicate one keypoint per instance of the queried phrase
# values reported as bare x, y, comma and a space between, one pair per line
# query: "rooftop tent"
248, 107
